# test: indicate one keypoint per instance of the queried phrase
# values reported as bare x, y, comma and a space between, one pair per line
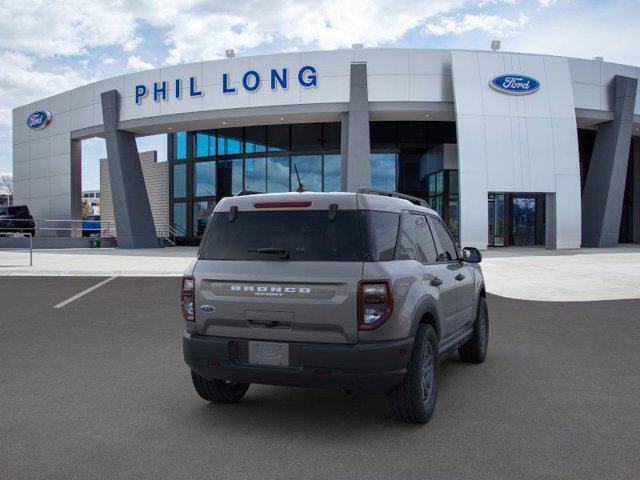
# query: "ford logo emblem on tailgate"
514, 84
207, 308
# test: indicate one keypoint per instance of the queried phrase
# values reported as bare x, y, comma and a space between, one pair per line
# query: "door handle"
459, 277
436, 282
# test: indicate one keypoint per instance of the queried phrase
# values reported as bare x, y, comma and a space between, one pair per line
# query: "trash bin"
95, 243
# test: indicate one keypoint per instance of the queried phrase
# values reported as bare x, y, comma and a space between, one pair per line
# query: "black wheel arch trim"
427, 305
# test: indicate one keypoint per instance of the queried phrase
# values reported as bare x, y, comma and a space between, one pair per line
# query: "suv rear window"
306, 235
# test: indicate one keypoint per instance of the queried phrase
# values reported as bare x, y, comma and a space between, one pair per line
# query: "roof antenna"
300, 188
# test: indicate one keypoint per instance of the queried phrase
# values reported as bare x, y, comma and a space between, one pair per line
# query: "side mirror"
471, 255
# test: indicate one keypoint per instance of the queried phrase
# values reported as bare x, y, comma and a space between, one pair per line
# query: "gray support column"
356, 158
636, 189
76, 184
344, 151
604, 187
132, 212
550, 223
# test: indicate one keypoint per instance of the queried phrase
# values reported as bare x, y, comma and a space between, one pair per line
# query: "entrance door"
496, 220
523, 220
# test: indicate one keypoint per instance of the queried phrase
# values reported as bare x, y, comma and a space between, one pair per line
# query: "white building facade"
512, 149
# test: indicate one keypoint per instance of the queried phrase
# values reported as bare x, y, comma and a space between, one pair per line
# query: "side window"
405, 242
382, 232
424, 241
447, 249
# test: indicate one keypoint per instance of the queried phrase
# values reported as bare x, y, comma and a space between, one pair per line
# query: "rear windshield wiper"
283, 252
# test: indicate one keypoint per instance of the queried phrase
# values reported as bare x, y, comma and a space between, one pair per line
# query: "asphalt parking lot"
98, 389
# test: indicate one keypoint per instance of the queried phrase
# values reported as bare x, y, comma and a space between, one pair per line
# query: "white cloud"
325, 24
17, 85
547, 3
109, 60
46, 29
136, 63
491, 24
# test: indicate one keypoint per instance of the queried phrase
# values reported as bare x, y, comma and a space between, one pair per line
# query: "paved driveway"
97, 389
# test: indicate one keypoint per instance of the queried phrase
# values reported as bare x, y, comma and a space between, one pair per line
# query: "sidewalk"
521, 273
99, 262
586, 274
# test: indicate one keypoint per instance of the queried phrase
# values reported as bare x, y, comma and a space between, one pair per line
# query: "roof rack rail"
242, 193
386, 193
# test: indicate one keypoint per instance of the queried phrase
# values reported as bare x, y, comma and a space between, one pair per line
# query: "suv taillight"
375, 303
186, 297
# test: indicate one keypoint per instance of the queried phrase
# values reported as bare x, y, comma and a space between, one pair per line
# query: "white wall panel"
500, 159
331, 89
381, 61
585, 71
430, 88
587, 96
81, 97
39, 148
39, 168
60, 185
60, 165
20, 133
21, 152
212, 71
388, 88
39, 187
510, 139
329, 64
430, 62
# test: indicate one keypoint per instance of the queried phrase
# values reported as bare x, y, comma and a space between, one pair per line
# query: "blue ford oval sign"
515, 84
38, 119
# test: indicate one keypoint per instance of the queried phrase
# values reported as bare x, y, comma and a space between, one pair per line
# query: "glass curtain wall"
407, 157
206, 166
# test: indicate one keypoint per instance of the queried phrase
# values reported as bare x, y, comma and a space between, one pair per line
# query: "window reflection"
332, 173
180, 217
180, 180
310, 171
181, 145
201, 212
205, 144
255, 139
229, 141
383, 171
255, 174
204, 179
277, 174
229, 177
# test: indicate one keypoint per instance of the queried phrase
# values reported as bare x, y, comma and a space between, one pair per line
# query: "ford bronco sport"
358, 291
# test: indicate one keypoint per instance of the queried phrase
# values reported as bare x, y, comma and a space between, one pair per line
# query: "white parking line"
84, 292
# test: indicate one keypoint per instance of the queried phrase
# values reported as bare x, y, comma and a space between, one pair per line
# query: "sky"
50, 47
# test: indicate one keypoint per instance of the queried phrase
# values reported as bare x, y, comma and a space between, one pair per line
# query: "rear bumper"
375, 367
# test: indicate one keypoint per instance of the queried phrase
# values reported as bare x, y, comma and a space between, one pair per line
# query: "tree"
86, 209
6, 188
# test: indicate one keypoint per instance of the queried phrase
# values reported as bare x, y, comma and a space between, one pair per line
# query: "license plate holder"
269, 353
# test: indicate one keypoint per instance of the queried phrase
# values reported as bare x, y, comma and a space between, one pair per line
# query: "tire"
219, 391
475, 349
415, 399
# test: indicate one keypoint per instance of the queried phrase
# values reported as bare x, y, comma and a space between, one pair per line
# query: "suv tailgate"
278, 300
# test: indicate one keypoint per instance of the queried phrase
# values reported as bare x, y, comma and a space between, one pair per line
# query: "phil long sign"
515, 84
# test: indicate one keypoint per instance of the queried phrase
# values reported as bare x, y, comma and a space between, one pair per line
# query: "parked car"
17, 219
363, 291
91, 225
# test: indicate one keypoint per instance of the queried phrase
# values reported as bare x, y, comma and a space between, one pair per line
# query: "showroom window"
209, 165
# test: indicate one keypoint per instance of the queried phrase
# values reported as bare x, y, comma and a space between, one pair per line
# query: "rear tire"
475, 349
219, 391
415, 400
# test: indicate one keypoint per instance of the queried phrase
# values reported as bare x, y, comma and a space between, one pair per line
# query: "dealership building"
511, 149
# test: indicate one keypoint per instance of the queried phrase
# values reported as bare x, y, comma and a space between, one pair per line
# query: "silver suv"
358, 291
